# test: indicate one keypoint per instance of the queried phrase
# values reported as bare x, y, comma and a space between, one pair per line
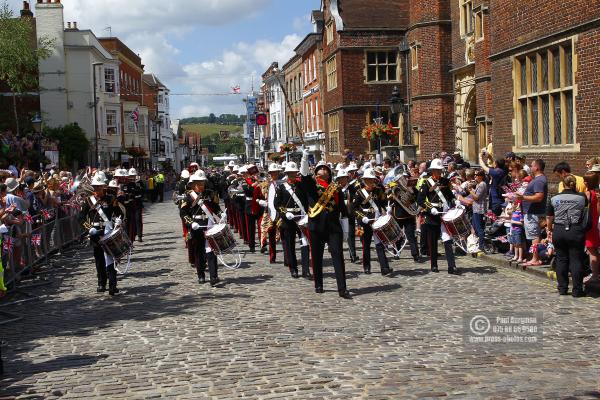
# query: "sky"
200, 47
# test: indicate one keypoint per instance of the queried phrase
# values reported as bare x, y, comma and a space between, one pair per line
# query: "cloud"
211, 80
301, 24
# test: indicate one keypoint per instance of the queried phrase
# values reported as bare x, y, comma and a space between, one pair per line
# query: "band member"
200, 212
327, 223
406, 216
436, 197
138, 190
370, 204
349, 194
252, 208
102, 212
270, 228
291, 204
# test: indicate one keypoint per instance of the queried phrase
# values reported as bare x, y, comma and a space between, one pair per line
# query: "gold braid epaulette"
323, 200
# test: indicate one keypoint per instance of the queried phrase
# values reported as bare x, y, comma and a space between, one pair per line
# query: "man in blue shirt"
534, 206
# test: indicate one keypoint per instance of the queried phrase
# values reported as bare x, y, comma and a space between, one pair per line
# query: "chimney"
74, 23
68, 25
26, 11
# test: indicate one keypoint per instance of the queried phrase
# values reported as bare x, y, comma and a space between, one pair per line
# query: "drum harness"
292, 194
369, 199
440, 195
104, 217
209, 214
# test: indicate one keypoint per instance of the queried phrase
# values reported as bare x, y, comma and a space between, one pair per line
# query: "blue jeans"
479, 226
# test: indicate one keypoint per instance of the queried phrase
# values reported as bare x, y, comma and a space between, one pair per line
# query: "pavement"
264, 335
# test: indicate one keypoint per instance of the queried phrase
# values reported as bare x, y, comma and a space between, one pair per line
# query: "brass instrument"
401, 192
319, 207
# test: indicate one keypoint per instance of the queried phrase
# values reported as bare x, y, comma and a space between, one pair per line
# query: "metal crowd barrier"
31, 244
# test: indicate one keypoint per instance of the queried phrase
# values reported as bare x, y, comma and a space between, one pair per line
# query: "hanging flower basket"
136, 152
376, 130
288, 147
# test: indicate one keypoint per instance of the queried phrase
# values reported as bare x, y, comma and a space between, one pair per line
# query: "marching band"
313, 211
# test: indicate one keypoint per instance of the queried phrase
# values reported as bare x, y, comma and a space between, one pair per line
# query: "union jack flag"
8, 244
29, 219
36, 240
135, 115
46, 215
236, 89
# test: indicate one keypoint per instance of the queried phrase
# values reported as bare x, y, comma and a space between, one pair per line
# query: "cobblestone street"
264, 335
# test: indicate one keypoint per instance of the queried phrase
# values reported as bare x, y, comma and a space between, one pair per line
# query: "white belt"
199, 217
249, 198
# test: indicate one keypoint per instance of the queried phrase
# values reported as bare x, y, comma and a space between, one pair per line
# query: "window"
312, 116
331, 73
545, 106
314, 63
318, 126
479, 25
305, 73
130, 124
482, 133
382, 66
329, 32
309, 77
109, 80
111, 122
466, 17
334, 133
414, 56
160, 99
142, 125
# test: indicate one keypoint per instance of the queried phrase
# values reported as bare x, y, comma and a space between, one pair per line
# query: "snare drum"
457, 223
116, 244
387, 230
220, 239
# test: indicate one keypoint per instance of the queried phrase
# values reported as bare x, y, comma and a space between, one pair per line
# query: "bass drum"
220, 239
387, 230
116, 244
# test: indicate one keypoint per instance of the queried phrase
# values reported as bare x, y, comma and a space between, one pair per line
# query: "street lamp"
94, 65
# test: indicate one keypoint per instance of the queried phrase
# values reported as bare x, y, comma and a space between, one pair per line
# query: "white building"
67, 80
275, 103
163, 138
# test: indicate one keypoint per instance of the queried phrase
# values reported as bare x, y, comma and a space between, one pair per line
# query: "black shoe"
294, 274
367, 271
252, 250
563, 292
263, 250
101, 289
435, 269
418, 260
453, 271
214, 282
202, 279
387, 271
140, 239
579, 294
113, 291
319, 290
345, 294
308, 276
354, 259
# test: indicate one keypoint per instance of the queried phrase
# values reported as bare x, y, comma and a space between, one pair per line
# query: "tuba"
319, 207
402, 193
82, 188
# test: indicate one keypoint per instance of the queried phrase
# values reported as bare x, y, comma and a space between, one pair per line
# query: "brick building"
361, 65
292, 74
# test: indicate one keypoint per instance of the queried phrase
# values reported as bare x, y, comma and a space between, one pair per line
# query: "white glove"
93, 232
223, 218
263, 203
195, 226
434, 211
365, 220
345, 227
118, 222
289, 216
388, 210
457, 203
305, 152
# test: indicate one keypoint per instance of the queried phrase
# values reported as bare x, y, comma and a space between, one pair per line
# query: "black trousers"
99, 260
410, 226
288, 238
160, 187
570, 251
366, 239
251, 230
352, 237
423, 243
201, 257
317, 247
434, 232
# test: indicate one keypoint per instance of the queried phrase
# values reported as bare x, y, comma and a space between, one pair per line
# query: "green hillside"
210, 134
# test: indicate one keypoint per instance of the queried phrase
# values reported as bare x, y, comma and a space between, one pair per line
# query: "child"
506, 217
516, 233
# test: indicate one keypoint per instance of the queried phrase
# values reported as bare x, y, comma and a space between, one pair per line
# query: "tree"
19, 55
72, 144
212, 118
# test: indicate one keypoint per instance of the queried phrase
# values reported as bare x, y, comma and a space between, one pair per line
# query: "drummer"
436, 197
199, 213
101, 212
370, 204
